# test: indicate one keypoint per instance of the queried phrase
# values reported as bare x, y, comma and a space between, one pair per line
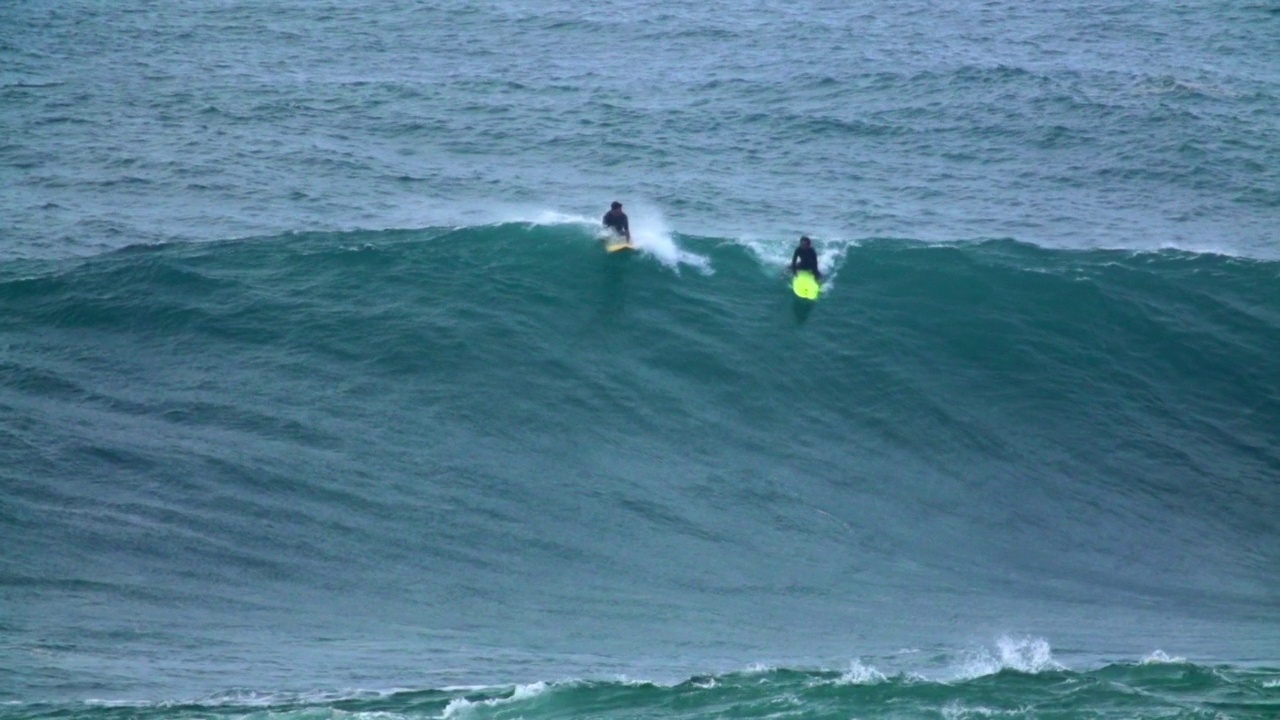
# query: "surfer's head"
804, 241
616, 205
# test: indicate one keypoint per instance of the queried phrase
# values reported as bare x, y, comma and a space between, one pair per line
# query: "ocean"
320, 399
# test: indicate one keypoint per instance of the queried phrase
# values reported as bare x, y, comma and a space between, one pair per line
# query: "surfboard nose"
806, 286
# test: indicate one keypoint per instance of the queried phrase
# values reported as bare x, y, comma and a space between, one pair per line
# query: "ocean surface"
320, 399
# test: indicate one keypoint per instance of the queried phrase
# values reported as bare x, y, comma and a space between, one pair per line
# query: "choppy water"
318, 396
1149, 689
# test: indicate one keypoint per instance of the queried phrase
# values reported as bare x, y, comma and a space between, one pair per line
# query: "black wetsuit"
618, 221
806, 258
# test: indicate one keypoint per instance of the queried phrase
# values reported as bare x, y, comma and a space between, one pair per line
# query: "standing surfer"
616, 220
805, 258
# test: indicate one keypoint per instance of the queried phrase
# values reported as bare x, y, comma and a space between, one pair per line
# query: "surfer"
616, 220
805, 258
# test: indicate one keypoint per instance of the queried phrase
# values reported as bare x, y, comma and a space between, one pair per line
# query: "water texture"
318, 396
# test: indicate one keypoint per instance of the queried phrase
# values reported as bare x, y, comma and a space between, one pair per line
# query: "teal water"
1089, 125
365, 460
318, 396
1141, 690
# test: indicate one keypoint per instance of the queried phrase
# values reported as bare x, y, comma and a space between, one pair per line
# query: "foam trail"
776, 253
832, 258
650, 233
555, 217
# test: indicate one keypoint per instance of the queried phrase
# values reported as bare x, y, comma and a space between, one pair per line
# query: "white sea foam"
955, 710
859, 674
650, 233
1159, 657
460, 707
775, 253
457, 707
629, 681
255, 698
1028, 655
465, 688
555, 217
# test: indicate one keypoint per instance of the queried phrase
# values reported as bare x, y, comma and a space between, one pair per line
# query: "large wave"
425, 427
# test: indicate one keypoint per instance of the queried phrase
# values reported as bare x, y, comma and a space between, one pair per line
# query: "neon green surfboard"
806, 286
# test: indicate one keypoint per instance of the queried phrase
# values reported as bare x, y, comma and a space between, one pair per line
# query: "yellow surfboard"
618, 246
806, 286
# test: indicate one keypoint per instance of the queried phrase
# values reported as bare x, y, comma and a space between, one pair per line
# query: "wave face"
425, 458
